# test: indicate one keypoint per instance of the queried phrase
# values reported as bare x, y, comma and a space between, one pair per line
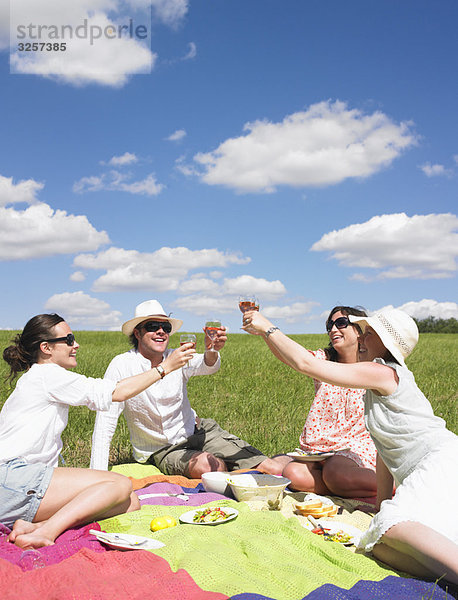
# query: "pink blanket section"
66, 545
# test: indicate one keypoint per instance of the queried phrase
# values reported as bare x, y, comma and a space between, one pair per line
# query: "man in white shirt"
164, 429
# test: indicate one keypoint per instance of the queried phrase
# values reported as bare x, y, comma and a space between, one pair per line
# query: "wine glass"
211, 327
248, 302
186, 338
31, 559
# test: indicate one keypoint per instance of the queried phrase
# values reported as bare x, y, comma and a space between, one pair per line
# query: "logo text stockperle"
83, 31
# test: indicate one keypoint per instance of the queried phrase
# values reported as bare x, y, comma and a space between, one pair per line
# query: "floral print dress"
336, 423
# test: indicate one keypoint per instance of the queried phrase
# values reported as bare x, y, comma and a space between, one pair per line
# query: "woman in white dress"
416, 530
38, 499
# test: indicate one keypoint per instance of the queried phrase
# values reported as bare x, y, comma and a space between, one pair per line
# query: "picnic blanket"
260, 555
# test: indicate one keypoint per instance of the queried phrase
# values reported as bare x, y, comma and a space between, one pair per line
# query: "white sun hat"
397, 330
150, 309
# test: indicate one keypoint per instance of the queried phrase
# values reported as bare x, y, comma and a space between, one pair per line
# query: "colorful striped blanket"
260, 555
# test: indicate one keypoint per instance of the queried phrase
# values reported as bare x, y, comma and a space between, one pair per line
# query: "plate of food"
126, 541
212, 515
304, 456
342, 533
309, 456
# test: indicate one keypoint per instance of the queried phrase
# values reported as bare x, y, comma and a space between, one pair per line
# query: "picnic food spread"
210, 515
162, 523
316, 507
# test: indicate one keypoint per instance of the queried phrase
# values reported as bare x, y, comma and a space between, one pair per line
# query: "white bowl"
267, 490
216, 481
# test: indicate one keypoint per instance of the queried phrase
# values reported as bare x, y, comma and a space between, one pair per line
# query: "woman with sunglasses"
38, 499
416, 530
335, 423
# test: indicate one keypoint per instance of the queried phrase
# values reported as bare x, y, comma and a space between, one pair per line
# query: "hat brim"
383, 334
129, 326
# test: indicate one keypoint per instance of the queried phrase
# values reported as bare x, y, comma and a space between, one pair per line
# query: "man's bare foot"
22, 527
27, 541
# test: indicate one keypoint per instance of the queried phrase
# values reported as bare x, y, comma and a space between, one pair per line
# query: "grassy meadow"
253, 395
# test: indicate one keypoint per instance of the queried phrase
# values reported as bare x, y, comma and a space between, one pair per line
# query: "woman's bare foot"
22, 527
31, 540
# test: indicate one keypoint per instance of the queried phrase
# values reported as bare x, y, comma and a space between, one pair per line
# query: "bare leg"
306, 477
74, 497
419, 550
203, 462
274, 465
343, 477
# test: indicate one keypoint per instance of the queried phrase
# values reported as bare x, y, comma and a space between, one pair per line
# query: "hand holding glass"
211, 328
187, 338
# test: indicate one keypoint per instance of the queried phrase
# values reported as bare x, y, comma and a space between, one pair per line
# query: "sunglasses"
340, 323
153, 326
69, 339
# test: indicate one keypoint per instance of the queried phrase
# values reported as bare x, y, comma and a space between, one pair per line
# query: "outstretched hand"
255, 323
179, 357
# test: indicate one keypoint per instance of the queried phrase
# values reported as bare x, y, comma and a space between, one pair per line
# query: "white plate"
127, 541
312, 456
345, 527
187, 517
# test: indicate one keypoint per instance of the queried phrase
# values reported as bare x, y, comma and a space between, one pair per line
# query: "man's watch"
271, 330
160, 370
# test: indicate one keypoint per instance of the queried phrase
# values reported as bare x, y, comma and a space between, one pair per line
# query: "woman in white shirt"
38, 499
415, 449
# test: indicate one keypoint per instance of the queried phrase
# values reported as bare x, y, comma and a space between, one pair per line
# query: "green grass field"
253, 395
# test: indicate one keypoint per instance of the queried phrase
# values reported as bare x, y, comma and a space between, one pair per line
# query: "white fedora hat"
397, 330
150, 309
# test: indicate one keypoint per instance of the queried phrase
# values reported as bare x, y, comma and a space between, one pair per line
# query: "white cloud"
119, 182
127, 158
159, 271
205, 296
322, 146
77, 276
99, 54
198, 285
40, 231
83, 310
170, 12
176, 136
205, 305
428, 308
247, 284
420, 247
291, 313
24, 191
434, 170
192, 51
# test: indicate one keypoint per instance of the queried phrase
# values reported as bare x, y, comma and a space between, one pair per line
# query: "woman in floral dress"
335, 423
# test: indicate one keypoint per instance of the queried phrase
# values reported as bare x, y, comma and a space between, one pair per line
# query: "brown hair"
23, 352
330, 351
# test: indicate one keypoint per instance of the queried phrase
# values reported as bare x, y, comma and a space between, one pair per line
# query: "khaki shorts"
209, 437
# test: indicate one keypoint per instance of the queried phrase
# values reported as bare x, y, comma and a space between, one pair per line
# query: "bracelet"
160, 370
271, 330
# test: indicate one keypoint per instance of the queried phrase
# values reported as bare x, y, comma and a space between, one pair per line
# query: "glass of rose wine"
211, 327
186, 338
247, 303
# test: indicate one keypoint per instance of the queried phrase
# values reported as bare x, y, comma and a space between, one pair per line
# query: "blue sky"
304, 151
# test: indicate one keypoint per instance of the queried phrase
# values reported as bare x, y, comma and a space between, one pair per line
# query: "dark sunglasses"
340, 323
153, 326
69, 339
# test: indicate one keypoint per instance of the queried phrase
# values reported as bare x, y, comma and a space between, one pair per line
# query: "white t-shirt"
159, 416
36, 413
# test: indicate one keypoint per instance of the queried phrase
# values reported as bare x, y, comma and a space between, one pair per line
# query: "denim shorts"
22, 487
